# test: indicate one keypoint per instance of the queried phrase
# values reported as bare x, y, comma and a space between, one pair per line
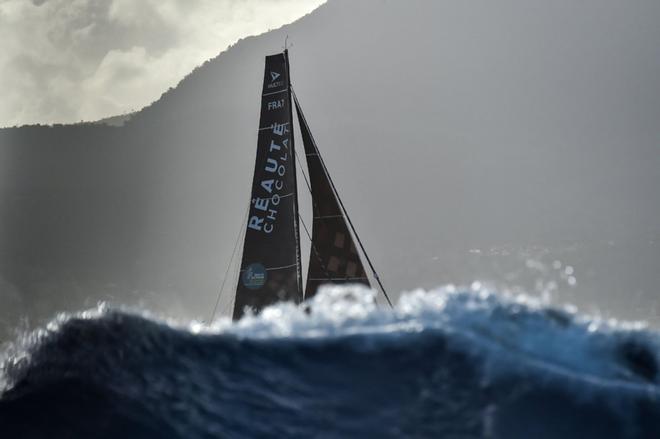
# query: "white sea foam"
510, 333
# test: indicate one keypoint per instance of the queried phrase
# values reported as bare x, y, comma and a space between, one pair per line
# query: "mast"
270, 267
295, 179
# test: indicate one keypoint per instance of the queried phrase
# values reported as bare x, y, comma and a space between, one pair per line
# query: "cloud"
71, 60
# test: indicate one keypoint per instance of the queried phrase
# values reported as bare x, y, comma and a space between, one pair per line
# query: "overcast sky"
72, 60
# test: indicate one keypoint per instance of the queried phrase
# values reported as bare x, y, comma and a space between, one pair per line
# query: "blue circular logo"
254, 277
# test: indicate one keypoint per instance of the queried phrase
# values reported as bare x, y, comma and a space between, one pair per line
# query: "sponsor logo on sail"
254, 277
275, 80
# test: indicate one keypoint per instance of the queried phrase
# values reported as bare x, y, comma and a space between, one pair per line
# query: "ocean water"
447, 363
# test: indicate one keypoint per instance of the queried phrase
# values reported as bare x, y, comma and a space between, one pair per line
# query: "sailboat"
271, 269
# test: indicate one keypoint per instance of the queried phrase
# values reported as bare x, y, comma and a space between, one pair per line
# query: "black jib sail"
334, 257
270, 268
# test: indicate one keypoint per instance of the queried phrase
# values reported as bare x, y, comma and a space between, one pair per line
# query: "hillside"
456, 131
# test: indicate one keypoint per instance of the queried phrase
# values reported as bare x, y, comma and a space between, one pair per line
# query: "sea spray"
452, 362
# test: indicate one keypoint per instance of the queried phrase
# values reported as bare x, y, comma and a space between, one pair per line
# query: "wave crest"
465, 361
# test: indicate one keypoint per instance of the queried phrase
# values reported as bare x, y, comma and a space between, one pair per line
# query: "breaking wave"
446, 363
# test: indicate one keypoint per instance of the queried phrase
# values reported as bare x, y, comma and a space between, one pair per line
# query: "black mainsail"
333, 256
270, 268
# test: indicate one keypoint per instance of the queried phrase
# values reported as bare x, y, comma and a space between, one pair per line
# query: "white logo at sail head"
275, 81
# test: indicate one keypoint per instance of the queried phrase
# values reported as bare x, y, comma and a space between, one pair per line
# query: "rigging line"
305, 227
311, 193
341, 203
224, 280
316, 252
237, 274
306, 179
